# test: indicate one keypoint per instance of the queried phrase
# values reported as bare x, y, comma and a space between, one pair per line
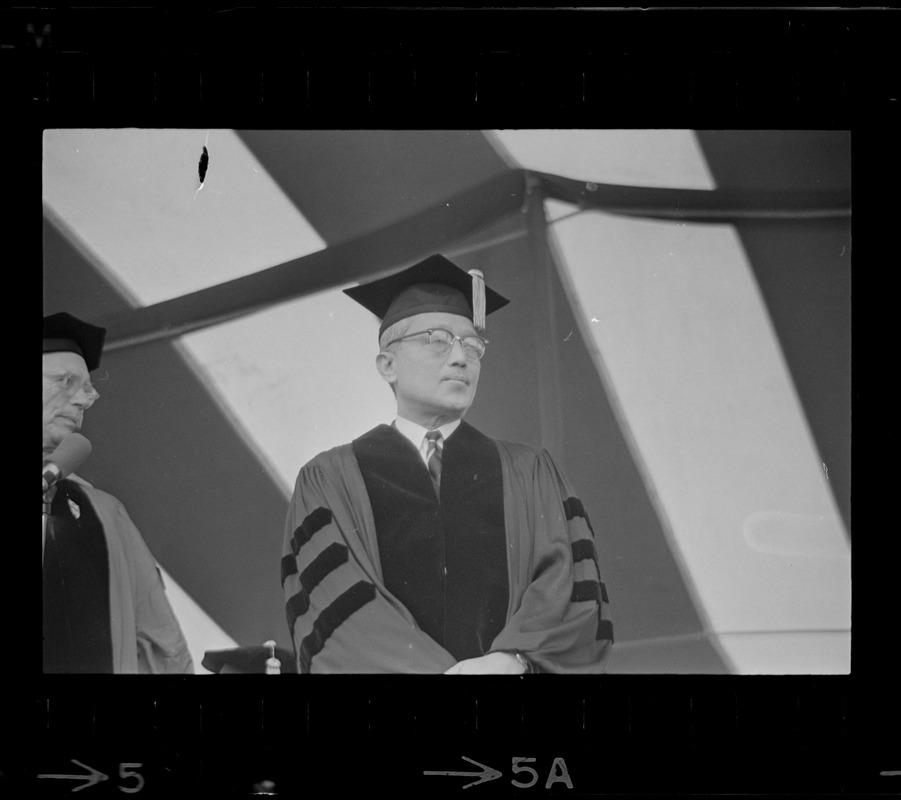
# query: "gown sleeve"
147, 637
559, 613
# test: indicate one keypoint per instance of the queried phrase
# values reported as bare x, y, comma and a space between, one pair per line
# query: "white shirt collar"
416, 433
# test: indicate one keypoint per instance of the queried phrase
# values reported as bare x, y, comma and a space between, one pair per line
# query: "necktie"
433, 457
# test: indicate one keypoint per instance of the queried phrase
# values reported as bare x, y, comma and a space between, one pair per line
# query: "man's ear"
384, 363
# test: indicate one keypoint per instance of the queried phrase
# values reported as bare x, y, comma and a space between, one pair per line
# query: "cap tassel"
273, 665
478, 299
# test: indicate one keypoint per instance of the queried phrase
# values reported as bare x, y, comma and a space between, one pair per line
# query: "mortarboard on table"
238, 660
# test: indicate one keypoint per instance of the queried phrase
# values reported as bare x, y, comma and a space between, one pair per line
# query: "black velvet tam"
68, 334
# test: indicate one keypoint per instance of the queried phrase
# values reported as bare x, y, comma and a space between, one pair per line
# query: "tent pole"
546, 335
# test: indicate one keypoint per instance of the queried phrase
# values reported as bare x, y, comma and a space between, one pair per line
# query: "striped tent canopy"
678, 338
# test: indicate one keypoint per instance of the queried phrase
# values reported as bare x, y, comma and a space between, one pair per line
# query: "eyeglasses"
442, 342
70, 385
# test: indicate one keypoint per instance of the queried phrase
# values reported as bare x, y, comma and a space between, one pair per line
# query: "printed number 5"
130, 773
517, 768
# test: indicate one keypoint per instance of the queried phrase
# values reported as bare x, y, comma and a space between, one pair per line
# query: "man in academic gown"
105, 606
425, 546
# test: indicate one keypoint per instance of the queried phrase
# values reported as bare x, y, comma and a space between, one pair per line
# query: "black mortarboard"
435, 284
247, 659
68, 334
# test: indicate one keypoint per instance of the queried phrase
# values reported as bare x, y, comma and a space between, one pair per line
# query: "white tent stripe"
703, 390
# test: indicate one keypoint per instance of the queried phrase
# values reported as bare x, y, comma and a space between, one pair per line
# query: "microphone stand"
45, 516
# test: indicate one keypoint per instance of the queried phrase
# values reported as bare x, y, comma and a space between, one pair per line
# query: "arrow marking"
94, 777
487, 773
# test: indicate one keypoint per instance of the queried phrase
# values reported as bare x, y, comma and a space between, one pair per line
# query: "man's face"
67, 393
431, 389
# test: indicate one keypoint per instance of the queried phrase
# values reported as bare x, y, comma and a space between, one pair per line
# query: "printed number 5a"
558, 773
126, 772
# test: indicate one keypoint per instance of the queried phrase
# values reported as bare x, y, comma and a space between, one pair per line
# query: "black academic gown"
105, 605
352, 608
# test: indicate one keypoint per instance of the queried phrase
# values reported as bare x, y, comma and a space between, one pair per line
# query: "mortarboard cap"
435, 284
65, 333
247, 660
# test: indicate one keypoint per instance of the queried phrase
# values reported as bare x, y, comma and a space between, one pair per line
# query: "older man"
105, 607
424, 546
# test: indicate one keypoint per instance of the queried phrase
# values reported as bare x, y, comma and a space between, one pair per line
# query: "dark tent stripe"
333, 616
315, 521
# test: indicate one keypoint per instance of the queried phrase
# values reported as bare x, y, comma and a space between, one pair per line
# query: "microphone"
71, 453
